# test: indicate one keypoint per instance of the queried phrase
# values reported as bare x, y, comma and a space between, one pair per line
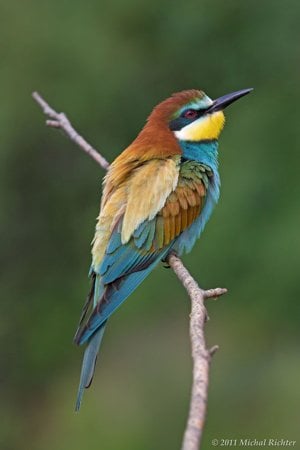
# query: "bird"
157, 196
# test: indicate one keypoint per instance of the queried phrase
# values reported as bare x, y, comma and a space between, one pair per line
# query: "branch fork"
200, 353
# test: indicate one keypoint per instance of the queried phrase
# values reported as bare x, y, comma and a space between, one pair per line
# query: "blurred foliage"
107, 64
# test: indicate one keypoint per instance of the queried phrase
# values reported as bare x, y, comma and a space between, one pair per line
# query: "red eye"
190, 114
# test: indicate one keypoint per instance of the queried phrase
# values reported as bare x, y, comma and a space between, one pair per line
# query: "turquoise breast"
205, 153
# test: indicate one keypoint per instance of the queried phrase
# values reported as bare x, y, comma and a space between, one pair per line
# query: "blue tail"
89, 363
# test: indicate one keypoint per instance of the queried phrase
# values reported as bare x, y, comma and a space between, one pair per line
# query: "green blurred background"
107, 64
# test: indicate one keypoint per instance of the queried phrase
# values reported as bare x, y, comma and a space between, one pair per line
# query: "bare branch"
60, 120
201, 355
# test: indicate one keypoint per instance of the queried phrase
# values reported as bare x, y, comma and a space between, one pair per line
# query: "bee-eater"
157, 197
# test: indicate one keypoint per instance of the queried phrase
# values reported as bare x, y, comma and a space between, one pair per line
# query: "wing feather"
148, 189
153, 217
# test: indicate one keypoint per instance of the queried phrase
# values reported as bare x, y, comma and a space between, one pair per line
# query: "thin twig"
201, 355
60, 120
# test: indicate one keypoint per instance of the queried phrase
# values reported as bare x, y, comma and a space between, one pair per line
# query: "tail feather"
89, 363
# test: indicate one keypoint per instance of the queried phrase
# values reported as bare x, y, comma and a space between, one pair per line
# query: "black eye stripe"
192, 113
187, 116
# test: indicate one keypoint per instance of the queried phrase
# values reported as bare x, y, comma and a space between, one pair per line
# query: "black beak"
222, 102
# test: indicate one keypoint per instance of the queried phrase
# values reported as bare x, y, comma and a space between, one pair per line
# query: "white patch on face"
185, 132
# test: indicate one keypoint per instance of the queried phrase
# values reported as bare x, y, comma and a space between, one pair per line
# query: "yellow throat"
205, 128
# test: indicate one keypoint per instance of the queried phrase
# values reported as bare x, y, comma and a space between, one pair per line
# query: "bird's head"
185, 116
192, 115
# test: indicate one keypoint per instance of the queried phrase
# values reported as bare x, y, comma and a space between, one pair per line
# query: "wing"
135, 247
